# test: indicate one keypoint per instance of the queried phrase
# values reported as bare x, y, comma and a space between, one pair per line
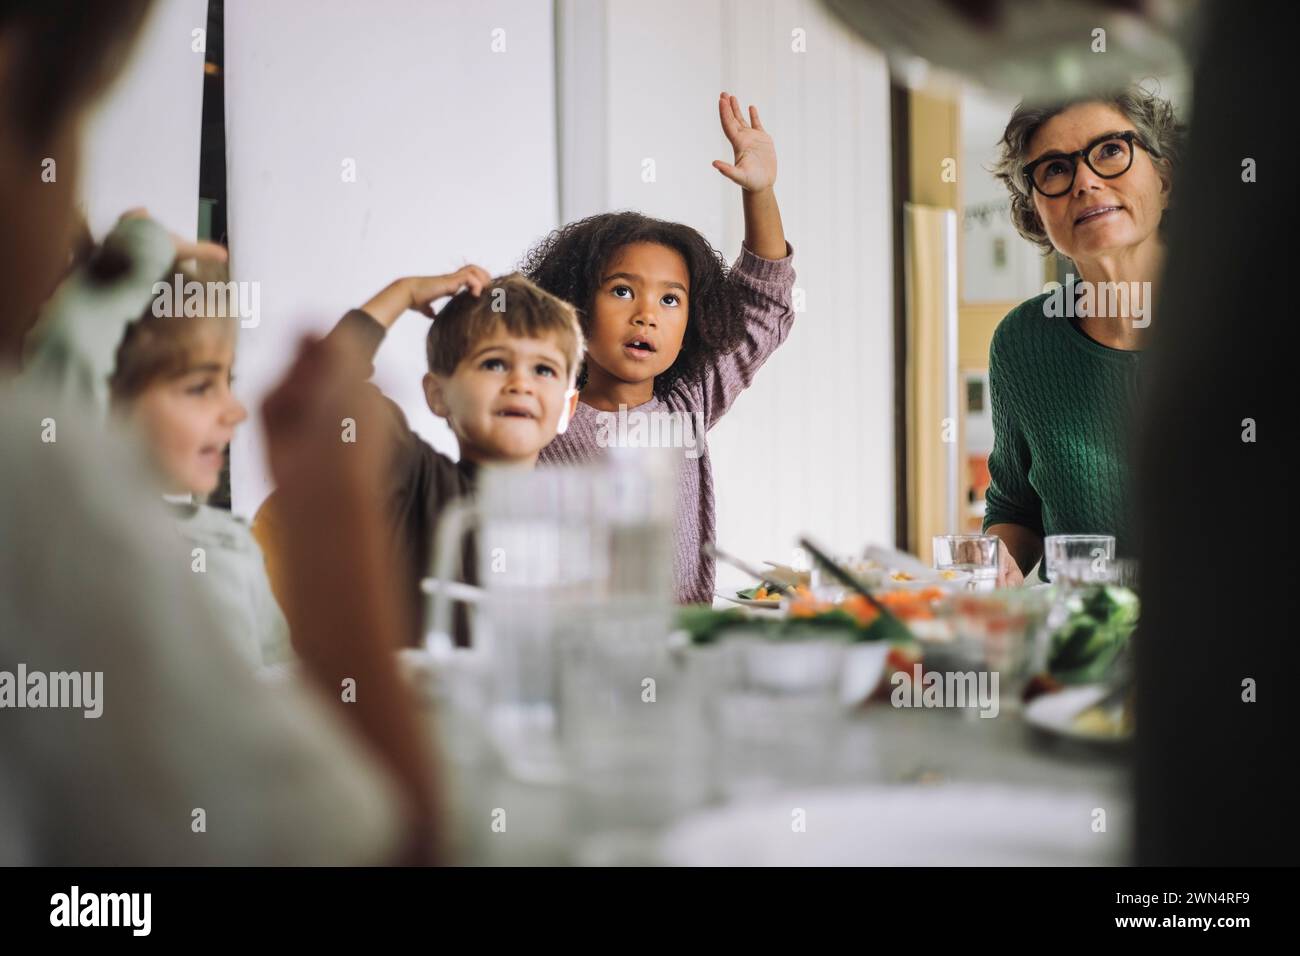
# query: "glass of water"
1062, 549
974, 553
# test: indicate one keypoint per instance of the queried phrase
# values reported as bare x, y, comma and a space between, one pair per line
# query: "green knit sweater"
1063, 409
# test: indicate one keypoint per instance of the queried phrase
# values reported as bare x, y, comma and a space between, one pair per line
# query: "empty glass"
974, 553
1099, 549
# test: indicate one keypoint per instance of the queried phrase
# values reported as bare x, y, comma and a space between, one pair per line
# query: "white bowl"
864, 665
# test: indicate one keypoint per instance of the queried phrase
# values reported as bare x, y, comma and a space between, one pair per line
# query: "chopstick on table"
717, 553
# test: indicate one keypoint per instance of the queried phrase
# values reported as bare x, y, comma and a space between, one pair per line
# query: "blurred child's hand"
312, 450
418, 293
754, 167
200, 250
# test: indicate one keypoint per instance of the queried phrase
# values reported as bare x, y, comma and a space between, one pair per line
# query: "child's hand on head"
418, 293
754, 166
425, 290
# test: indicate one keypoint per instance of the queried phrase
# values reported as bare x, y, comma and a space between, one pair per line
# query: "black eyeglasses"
1108, 156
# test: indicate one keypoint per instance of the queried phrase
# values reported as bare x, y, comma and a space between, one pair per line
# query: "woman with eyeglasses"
1092, 181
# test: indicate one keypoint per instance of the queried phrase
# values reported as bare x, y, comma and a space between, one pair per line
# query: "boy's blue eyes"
499, 365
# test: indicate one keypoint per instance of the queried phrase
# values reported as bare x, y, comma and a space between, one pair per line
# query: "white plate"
1055, 713
951, 825
929, 578
746, 602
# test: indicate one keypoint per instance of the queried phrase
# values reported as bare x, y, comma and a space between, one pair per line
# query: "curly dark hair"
570, 261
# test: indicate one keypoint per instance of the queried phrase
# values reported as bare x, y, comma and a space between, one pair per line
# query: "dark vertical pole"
901, 148
212, 151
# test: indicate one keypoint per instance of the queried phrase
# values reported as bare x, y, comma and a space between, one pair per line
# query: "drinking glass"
973, 553
551, 545
1061, 548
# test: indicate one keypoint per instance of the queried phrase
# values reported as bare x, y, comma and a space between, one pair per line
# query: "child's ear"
433, 394
566, 413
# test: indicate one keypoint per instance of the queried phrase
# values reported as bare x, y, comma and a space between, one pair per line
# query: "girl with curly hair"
671, 330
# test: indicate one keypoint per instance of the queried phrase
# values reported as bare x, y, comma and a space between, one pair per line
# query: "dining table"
496, 818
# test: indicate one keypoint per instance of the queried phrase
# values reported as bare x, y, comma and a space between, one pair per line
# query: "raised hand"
425, 290
754, 166
420, 292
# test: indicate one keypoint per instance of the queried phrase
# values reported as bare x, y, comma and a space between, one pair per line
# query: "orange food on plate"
809, 607
911, 605
907, 605
860, 608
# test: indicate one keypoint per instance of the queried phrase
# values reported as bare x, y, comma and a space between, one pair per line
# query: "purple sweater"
764, 287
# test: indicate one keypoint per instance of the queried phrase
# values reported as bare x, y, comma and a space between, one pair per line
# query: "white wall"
141, 146
983, 118
455, 151
810, 447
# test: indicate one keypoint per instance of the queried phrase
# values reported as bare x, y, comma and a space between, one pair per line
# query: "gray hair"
1152, 116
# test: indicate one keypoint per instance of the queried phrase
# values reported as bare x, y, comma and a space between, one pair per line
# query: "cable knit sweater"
1063, 408
765, 288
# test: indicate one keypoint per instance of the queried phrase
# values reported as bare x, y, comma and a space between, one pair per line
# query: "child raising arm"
671, 330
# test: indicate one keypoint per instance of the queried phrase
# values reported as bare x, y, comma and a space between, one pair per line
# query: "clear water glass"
1060, 549
976, 554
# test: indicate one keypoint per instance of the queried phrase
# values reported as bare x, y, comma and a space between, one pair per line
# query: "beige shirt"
193, 760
